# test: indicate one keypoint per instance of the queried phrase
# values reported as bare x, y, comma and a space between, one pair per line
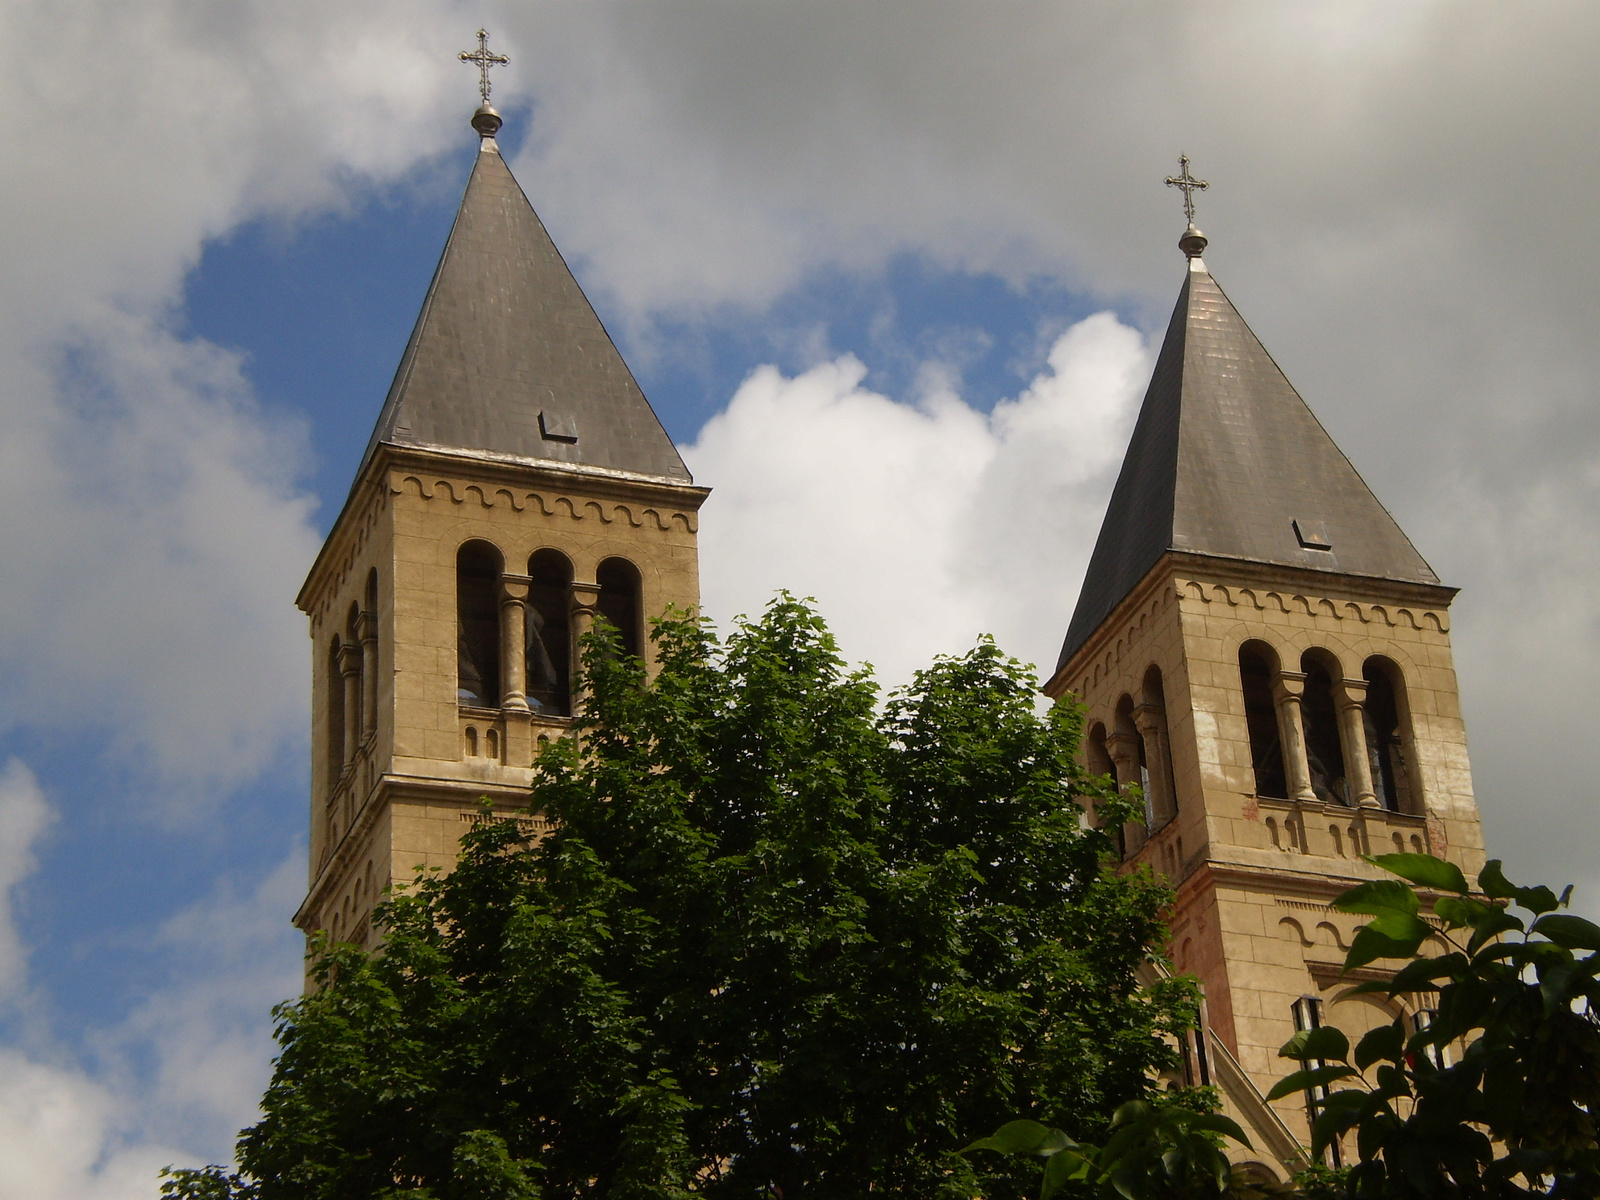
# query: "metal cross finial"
484, 60
1184, 180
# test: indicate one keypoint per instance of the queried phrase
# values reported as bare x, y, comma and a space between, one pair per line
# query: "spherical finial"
486, 121
1193, 242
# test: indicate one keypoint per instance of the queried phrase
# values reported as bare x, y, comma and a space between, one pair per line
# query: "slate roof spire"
508, 359
1226, 460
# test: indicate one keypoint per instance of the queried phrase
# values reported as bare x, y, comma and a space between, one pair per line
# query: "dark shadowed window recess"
549, 634
478, 625
1324, 754
335, 715
1261, 715
620, 601
1386, 743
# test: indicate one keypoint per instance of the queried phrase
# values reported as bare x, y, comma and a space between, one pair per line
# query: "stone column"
1124, 751
517, 716
367, 631
350, 672
1351, 697
583, 607
1288, 690
514, 642
1151, 721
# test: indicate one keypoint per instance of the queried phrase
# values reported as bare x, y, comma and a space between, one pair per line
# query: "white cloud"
1401, 203
173, 1081
159, 527
918, 526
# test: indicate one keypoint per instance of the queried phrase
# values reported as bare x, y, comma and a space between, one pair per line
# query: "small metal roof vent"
557, 427
1312, 535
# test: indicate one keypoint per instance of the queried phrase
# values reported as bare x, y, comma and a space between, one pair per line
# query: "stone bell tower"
516, 485
1262, 649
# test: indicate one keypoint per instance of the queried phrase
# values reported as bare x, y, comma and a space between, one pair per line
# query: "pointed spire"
508, 360
1226, 460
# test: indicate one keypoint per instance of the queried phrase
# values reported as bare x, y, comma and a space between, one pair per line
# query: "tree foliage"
1514, 1115
1155, 1151
781, 941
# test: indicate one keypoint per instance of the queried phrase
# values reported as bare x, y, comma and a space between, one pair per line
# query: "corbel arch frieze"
549, 504
1269, 600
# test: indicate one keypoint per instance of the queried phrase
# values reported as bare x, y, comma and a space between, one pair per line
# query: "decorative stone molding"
609, 512
1268, 600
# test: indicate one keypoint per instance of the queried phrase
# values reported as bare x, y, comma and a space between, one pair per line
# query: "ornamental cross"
485, 60
1184, 180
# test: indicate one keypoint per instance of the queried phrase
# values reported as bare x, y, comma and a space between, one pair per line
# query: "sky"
890, 275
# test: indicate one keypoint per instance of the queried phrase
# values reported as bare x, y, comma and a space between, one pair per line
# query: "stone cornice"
603, 495
466, 795
1264, 587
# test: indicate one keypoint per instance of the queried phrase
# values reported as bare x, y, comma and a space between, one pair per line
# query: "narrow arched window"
1257, 665
1136, 764
1388, 738
354, 715
1099, 757
621, 602
478, 625
550, 634
1151, 716
1324, 753
335, 721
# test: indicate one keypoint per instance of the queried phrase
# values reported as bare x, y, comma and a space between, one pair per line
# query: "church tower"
516, 485
1264, 652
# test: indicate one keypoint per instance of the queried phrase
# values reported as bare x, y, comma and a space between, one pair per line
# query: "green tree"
1167, 1150
1514, 1114
782, 942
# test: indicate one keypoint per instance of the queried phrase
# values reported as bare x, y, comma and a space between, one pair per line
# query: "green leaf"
1492, 928
1493, 882
1537, 899
1062, 1169
1024, 1137
1312, 1077
1325, 1042
1217, 1123
1564, 929
1416, 975
1424, 870
1401, 926
1379, 896
1369, 945
1384, 1042
1460, 911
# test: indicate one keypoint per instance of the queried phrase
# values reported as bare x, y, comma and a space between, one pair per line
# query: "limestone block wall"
408, 786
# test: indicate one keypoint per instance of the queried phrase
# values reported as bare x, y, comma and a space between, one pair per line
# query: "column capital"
514, 588
1288, 685
585, 596
1350, 692
367, 626
349, 659
1123, 748
1148, 717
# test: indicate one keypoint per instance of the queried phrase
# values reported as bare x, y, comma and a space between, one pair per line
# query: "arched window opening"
1099, 757
1387, 744
352, 630
335, 715
1151, 718
478, 625
550, 634
472, 742
620, 601
1257, 666
1132, 765
1324, 753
